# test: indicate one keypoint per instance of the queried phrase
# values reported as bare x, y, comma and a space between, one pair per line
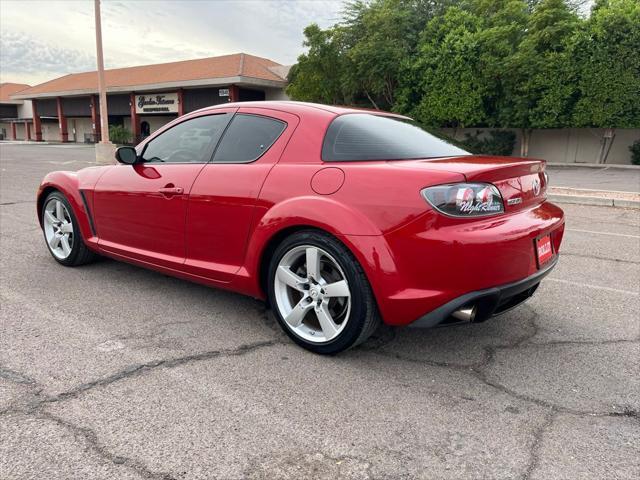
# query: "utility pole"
105, 149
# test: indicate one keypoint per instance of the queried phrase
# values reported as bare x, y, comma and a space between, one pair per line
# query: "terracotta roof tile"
8, 89
238, 64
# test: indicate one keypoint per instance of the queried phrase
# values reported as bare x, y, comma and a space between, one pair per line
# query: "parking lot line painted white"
65, 146
595, 287
626, 235
64, 163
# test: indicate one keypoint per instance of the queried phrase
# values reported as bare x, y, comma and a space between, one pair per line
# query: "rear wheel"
62, 233
319, 293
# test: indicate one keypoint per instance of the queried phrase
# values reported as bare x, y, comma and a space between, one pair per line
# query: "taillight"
465, 199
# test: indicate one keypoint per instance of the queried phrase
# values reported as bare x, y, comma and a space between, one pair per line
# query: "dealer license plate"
544, 249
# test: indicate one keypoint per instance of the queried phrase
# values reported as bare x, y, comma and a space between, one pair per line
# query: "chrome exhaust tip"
466, 314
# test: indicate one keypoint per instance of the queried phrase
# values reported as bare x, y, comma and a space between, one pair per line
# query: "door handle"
171, 191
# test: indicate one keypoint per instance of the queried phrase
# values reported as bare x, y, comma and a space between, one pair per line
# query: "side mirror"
127, 155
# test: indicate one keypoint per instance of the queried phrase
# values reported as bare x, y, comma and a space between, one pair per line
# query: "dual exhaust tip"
465, 314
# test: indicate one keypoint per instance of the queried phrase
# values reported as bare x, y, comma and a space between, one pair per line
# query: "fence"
570, 145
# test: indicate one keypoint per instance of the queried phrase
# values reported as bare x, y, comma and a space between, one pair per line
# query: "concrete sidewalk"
595, 185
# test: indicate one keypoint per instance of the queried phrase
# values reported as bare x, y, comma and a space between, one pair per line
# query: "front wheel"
62, 233
319, 293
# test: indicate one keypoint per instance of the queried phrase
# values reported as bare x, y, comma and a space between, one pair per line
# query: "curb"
626, 203
597, 201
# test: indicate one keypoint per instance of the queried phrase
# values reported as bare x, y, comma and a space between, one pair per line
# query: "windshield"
363, 136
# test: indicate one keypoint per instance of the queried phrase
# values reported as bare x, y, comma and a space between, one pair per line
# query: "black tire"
80, 254
363, 319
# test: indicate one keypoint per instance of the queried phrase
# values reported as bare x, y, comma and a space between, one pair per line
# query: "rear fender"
314, 212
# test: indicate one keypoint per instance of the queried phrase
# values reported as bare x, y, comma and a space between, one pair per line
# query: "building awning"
22, 120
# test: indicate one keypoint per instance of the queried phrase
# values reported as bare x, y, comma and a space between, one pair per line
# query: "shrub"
635, 152
498, 142
118, 134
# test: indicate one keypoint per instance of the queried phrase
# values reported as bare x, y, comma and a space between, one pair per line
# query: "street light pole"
105, 149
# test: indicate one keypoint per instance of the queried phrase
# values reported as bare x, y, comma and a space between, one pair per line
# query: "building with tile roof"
15, 115
144, 98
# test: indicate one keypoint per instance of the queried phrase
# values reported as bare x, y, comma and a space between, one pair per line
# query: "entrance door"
140, 209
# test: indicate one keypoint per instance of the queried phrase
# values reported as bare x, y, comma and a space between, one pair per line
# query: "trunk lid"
521, 181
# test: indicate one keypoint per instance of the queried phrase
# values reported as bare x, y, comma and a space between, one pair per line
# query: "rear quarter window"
364, 136
247, 138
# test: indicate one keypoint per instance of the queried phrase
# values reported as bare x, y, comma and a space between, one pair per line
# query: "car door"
223, 198
140, 209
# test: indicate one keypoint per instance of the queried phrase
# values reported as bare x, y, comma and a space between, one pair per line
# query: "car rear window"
364, 136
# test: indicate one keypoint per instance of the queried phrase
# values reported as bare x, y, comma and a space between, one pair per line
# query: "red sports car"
339, 218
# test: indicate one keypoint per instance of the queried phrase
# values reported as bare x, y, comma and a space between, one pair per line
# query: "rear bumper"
434, 260
488, 302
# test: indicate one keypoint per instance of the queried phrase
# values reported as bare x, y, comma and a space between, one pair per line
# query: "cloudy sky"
41, 40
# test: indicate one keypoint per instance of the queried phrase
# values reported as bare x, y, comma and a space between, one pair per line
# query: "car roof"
301, 107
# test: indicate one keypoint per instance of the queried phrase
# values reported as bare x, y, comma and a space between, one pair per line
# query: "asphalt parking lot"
605, 177
112, 371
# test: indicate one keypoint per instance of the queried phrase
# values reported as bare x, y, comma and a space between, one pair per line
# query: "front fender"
70, 184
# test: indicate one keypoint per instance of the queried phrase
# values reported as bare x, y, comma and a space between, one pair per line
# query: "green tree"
485, 63
503, 28
607, 57
380, 38
458, 76
360, 59
539, 90
119, 134
606, 54
317, 77
445, 86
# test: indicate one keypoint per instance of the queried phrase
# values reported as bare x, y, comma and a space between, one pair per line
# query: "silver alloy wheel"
312, 294
58, 229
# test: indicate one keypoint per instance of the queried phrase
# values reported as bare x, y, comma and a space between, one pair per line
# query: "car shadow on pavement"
462, 345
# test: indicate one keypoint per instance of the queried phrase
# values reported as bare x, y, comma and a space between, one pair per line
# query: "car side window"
191, 141
247, 138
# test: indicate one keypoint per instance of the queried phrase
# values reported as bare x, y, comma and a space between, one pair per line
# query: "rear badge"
514, 201
536, 186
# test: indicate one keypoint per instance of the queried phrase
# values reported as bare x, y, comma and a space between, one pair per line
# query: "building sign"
223, 92
157, 103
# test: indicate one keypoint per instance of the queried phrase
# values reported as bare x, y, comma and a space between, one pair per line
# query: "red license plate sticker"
544, 249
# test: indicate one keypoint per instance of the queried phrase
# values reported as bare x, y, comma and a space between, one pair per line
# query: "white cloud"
28, 59
43, 40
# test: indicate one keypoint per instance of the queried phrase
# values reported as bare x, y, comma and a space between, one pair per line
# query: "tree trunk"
389, 92
371, 100
612, 137
605, 145
526, 138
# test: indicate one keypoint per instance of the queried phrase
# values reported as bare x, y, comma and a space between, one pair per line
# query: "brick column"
135, 121
180, 102
37, 126
13, 131
234, 93
62, 122
27, 130
95, 117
